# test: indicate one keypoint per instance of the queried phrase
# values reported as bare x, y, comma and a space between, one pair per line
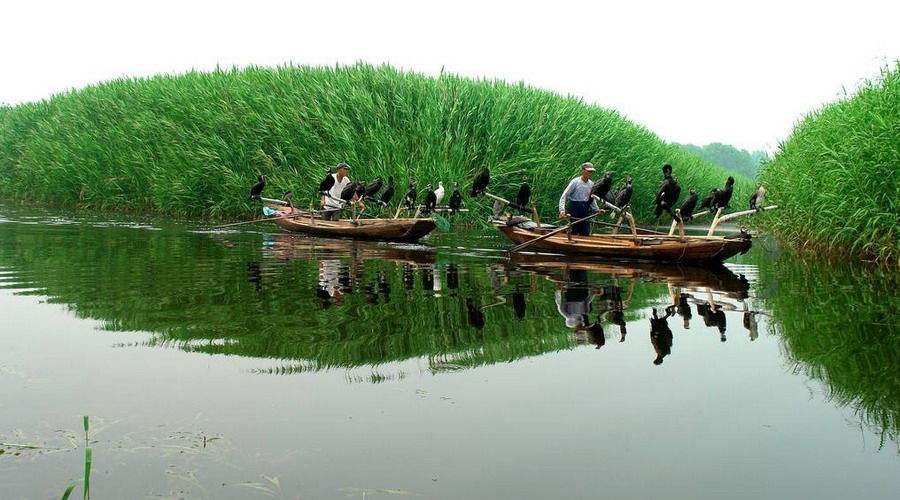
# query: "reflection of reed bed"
837, 181
192, 143
263, 299
838, 324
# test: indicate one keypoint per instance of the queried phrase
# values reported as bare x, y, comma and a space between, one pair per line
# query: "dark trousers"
578, 210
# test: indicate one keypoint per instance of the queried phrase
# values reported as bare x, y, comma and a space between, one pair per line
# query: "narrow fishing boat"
638, 246
400, 230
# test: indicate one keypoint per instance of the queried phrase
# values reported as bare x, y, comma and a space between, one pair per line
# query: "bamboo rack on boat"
640, 244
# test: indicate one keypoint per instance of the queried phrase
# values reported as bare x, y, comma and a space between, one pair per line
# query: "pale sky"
736, 72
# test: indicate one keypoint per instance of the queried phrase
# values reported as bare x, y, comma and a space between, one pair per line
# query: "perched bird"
388, 193
723, 198
439, 193
430, 199
360, 190
327, 183
288, 197
687, 207
710, 200
667, 194
756, 199
524, 194
374, 187
601, 189
624, 194
257, 189
348, 191
455, 199
479, 185
409, 199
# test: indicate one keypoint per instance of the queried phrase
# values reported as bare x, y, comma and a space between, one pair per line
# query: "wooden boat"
640, 246
403, 230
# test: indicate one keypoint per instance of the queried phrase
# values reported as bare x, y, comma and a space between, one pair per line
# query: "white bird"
439, 194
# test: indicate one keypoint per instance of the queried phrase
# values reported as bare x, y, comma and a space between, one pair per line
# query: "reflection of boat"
288, 246
653, 247
718, 277
405, 230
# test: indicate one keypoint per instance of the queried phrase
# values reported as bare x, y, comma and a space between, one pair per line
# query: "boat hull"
659, 248
403, 230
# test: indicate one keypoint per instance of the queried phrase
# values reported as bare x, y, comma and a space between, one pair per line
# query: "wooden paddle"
555, 231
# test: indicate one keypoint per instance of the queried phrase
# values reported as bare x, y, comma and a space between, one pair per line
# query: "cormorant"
409, 199
374, 187
756, 199
388, 193
348, 191
455, 199
624, 194
724, 195
430, 199
481, 182
257, 189
327, 183
687, 207
524, 194
710, 200
360, 190
439, 193
601, 189
668, 192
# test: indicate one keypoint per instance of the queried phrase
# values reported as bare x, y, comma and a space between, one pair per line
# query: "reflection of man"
329, 280
574, 304
661, 335
750, 324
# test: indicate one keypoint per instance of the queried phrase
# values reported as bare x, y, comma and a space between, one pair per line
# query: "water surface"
244, 364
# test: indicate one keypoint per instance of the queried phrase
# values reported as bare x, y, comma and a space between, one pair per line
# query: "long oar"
265, 219
551, 233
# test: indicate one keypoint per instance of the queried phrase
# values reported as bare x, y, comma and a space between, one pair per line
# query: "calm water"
256, 364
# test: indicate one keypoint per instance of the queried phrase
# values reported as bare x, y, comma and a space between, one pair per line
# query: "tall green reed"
837, 178
191, 144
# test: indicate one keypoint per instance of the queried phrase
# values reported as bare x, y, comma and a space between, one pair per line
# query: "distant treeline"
729, 157
193, 144
837, 178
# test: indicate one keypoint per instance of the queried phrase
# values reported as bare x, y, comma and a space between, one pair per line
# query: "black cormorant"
481, 182
430, 199
688, 206
524, 194
257, 189
455, 199
388, 193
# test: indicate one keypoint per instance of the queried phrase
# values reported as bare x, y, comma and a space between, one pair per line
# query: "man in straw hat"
576, 201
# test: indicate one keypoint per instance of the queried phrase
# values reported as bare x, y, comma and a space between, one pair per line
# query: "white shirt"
334, 193
577, 190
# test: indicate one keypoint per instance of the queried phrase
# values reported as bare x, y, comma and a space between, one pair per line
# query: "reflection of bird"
687, 208
474, 314
518, 302
374, 187
409, 199
455, 198
723, 197
257, 189
430, 199
481, 182
452, 276
601, 189
439, 193
388, 193
710, 200
524, 194
756, 199
327, 183
624, 194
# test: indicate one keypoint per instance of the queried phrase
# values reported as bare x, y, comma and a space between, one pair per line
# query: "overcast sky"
727, 71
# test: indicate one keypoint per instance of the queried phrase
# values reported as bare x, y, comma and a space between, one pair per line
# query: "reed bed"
837, 178
192, 144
